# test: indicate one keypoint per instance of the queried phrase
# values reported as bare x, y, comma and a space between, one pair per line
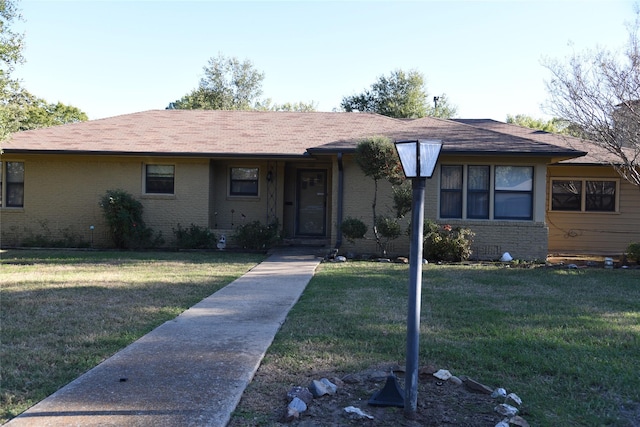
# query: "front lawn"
566, 341
63, 312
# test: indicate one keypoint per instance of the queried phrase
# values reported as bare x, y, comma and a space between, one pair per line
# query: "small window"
451, 191
513, 192
243, 182
12, 184
159, 179
478, 192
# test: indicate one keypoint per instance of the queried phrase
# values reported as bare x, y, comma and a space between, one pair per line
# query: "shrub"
195, 237
353, 228
257, 236
124, 217
446, 243
633, 252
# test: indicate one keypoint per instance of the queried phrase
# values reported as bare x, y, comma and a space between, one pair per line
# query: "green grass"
63, 312
566, 341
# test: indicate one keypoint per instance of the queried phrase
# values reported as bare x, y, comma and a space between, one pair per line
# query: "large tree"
228, 84
598, 92
231, 84
400, 95
19, 109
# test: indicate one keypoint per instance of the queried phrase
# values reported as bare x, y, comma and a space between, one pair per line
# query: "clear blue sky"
116, 57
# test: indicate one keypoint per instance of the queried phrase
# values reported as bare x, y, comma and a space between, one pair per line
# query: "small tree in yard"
378, 159
124, 216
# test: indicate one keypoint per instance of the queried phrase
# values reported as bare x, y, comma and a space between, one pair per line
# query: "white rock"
506, 257
514, 398
442, 374
506, 410
298, 405
499, 392
357, 411
331, 387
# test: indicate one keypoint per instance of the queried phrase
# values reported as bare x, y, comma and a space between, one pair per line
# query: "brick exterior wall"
61, 197
525, 240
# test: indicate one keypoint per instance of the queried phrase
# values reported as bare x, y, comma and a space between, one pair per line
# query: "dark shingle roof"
218, 133
595, 154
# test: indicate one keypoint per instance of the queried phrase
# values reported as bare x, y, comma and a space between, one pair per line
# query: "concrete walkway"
190, 371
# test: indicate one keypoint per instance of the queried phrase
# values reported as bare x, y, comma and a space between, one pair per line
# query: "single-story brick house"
220, 169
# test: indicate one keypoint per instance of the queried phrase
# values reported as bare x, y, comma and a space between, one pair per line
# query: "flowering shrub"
124, 216
446, 243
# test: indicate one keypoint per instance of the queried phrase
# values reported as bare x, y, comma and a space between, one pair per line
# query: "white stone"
442, 374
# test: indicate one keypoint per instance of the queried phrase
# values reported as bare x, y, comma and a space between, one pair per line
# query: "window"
451, 191
478, 192
159, 179
12, 184
243, 182
583, 195
468, 192
513, 198
566, 195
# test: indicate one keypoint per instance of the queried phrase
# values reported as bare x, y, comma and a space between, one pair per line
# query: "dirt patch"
440, 403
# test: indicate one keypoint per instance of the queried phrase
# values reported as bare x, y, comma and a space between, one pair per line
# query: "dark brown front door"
311, 203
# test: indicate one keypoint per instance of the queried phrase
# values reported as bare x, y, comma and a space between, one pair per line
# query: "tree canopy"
400, 95
19, 109
598, 93
228, 84
553, 125
232, 84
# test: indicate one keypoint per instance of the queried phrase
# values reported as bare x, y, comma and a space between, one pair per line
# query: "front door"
311, 203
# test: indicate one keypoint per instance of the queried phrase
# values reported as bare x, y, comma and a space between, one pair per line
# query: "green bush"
257, 236
633, 252
195, 237
124, 217
353, 228
447, 243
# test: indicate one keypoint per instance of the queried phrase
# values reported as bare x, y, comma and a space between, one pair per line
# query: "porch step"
306, 242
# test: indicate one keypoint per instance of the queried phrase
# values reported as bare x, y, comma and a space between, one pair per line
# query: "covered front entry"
307, 202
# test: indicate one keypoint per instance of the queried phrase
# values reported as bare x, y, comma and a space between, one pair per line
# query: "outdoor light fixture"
418, 160
424, 149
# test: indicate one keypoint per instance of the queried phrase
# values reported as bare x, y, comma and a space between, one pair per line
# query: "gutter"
340, 201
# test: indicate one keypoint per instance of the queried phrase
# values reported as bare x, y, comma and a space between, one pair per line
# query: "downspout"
340, 202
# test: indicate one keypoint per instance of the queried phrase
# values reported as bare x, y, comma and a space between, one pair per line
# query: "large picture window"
584, 195
513, 198
243, 182
12, 184
159, 179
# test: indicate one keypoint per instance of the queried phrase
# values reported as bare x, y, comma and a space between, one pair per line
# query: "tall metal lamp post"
418, 160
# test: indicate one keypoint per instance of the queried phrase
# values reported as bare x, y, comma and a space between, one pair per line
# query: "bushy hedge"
195, 237
446, 243
257, 236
